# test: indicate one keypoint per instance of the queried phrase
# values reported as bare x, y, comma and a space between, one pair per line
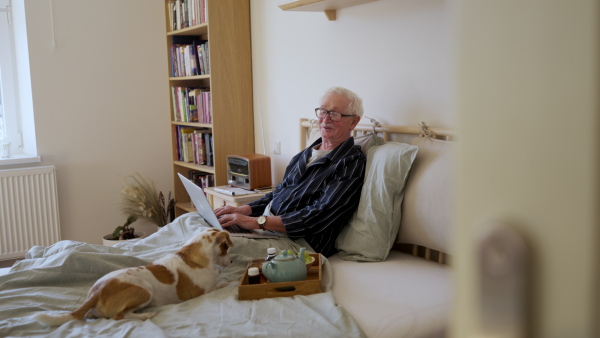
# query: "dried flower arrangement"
140, 200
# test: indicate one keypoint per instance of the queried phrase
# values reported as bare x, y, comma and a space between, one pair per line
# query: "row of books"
191, 104
189, 56
202, 179
195, 145
186, 13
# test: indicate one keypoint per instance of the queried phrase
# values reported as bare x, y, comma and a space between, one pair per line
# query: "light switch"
277, 148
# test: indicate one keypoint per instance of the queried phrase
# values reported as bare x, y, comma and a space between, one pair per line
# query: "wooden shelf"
190, 78
329, 7
205, 168
192, 124
201, 29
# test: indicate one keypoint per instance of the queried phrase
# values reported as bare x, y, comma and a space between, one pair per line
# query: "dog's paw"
140, 316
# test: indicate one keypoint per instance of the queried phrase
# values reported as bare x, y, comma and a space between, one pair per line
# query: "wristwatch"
261, 222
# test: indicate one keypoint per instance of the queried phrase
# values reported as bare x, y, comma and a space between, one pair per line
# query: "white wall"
100, 97
395, 54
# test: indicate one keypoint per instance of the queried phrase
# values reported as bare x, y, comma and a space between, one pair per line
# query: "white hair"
355, 107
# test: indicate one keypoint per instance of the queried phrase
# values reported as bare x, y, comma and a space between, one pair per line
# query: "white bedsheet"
58, 277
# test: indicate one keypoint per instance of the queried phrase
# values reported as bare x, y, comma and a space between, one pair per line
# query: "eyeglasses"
334, 116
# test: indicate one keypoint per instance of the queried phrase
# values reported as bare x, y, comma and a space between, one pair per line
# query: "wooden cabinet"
228, 78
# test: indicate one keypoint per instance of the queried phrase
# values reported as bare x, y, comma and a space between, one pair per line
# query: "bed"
58, 277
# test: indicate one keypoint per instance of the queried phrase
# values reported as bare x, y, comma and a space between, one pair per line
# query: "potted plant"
140, 201
122, 233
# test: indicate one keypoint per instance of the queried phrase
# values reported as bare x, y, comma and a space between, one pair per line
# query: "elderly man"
322, 184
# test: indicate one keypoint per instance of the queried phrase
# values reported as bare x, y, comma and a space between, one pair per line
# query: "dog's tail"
61, 318
53, 319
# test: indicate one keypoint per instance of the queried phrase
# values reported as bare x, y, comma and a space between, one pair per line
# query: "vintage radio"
249, 171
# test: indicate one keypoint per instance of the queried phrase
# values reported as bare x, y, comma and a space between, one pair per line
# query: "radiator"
28, 210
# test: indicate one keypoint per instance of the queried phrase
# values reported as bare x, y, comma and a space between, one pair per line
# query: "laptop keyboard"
238, 230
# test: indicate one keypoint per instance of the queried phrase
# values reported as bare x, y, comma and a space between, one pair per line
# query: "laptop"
205, 210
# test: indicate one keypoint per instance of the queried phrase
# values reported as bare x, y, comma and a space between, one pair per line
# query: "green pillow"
372, 230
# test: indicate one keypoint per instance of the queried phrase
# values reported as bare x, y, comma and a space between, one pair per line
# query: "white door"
528, 104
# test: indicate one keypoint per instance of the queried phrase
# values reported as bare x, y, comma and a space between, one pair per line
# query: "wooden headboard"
384, 131
388, 133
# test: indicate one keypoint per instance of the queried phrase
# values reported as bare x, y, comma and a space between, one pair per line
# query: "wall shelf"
329, 7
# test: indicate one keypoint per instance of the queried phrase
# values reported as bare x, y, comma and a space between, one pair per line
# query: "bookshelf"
329, 7
227, 77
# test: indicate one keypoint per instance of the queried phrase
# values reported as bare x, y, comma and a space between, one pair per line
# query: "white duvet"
58, 277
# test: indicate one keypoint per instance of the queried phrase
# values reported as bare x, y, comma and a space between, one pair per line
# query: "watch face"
261, 222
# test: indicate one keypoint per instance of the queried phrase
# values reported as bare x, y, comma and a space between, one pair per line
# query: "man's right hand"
228, 209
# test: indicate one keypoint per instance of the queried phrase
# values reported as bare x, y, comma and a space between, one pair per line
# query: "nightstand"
217, 199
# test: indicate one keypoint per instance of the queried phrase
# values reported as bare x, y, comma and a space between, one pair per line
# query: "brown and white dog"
175, 278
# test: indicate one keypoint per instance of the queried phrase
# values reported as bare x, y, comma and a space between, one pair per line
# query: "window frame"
8, 85
15, 80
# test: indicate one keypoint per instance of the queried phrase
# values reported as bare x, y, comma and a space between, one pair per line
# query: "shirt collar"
336, 153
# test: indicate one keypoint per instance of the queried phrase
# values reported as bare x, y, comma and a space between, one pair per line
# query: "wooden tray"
311, 285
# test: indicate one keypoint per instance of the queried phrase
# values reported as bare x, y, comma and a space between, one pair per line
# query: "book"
233, 191
186, 13
187, 145
183, 55
192, 109
199, 147
198, 53
202, 179
208, 147
191, 104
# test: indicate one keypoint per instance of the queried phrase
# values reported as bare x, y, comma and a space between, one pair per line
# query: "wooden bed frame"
384, 131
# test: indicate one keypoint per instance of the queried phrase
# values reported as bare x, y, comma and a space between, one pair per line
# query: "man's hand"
240, 216
228, 209
229, 215
243, 221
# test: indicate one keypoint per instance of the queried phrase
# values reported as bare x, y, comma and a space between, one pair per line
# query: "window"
7, 97
16, 111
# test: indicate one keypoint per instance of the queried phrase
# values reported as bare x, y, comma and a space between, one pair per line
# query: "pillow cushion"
364, 141
426, 211
373, 228
367, 141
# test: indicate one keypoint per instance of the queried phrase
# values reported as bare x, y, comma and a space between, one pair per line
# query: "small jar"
271, 253
253, 276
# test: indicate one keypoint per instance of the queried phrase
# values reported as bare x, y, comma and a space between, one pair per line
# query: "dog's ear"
223, 237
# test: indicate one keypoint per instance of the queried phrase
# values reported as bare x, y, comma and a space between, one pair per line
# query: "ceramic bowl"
309, 264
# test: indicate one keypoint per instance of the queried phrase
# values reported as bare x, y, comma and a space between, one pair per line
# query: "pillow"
373, 228
364, 141
426, 211
367, 141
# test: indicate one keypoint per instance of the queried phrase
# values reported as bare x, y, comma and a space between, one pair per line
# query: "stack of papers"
232, 191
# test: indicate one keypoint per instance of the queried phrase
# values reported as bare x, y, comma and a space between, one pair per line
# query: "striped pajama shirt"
315, 202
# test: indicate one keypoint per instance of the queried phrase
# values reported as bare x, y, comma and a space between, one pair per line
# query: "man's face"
336, 131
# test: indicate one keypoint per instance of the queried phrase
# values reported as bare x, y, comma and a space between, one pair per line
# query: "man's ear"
355, 121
